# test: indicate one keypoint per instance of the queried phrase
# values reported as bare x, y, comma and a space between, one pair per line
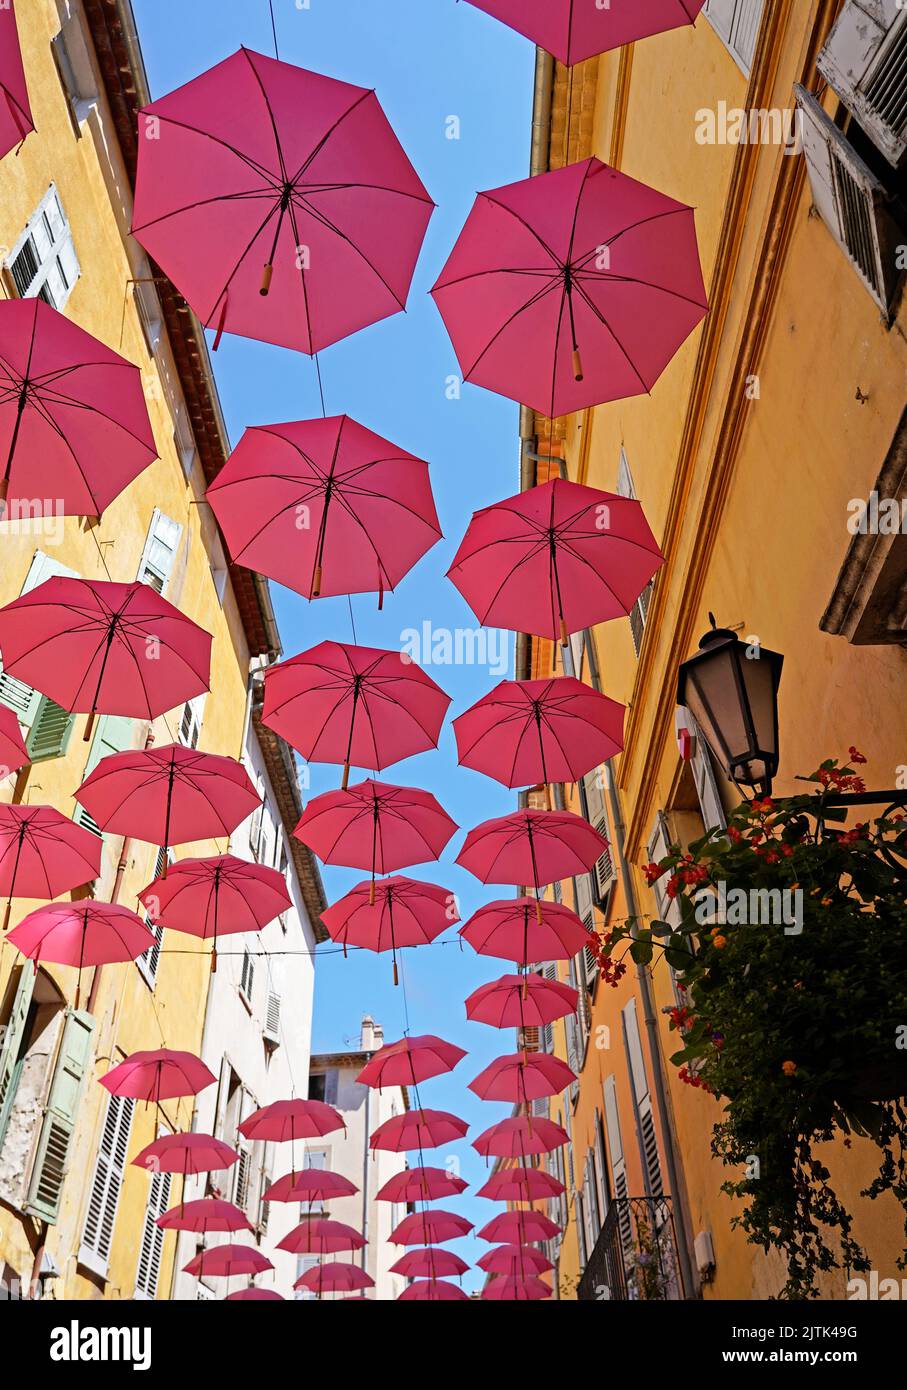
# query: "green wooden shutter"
49, 737
49, 1170
113, 734
10, 1061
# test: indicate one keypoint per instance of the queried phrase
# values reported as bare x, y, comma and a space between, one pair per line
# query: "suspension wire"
274, 29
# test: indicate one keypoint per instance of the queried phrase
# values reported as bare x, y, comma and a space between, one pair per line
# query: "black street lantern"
731, 690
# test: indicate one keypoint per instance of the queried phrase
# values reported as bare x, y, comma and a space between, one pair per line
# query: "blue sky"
428, 60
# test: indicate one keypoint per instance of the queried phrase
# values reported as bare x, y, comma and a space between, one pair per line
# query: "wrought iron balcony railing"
635, 1256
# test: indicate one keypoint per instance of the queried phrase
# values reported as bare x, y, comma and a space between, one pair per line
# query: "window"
639, 611
43, 263
149, 961
106, 1184
48, 726
184, 439
323, 1085
271, 1030
648, 1140
852, 200
619, 1182
736, 22
303, 1265
149, 311
592, 794
864, 60
191, 721
159, 555
113, 734
151, 1247
247, 976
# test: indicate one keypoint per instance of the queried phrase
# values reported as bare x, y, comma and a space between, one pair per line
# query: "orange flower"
719, 942
789, 1068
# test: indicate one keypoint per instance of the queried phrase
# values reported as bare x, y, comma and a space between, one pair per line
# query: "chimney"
372, 1035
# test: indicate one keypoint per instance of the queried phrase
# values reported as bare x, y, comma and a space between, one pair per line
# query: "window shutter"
736, 22
151, 1248
546, 1039
271, 1031
590, 1200
13, 1035
648, 1140
710, 803
50, 1165
104, 1194
49, 736
113, 734
191, 721
601, 1170
852, 202
618, 1162
640, 609
331, 1079
149, 961
865, 61
43, 263
247, 975
159, 555
242, 1174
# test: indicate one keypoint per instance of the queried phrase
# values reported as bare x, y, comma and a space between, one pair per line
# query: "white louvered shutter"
644, 1110
865, 61
151, 1247
106, 1183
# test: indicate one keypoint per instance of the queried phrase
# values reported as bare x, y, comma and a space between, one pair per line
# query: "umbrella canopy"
81, 934
325, 507
431, 1227
353, 705
526, 930
13, 752
421, 1185
375, 826
405, 912
73, 421
255, 1296
574, 30
524, 733
418, 1129
429, 1263
522, 1077
519, 1136
158, 1075
409, 1061
15, 112
168, 795
521, 1185
204, 1215
186, 1153
94, 646
310, 1185
433, 1291
43, 853
319, 1236
288, 1120
280, 202
335, 1277
227, 1260
519, 1261
521, 1001
555, 559
506, 1288
521, 1227
216, 897
572, 288
536, 847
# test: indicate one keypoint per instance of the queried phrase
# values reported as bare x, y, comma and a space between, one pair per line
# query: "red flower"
855, 756
652, 873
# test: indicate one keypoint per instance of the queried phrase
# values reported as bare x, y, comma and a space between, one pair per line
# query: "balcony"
635, 1256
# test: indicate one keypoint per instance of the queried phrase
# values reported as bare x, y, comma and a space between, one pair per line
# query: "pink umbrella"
433, 1291
92, 646
572, 288
256, 1296
574, 30
186, 1153
73, 421
158, 1075
168, 795
521, 1001
81, 934
429, 1263
288, 1120
516, 1260
405, 912
409, 1061
375, 826
519, 1136
354, 705
335, 1277
430, 1227
318, 1236
226, 1260
518, 1228
522, 1077
511, 930
280, 202
216, 897
311, 1185
555, 559
13, 752
43, 854
504, 1288
418, 1129
325, 507
15, 112
525, 733
521, 1185
204, 1215
532, 847
420, 1185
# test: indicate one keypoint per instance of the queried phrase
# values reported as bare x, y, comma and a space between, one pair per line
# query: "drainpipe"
365, 1174
648, 1007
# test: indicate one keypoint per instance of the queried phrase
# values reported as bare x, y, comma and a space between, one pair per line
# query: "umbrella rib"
325, 221
240, 197
242, 256
316, 150
246, 159
530, 304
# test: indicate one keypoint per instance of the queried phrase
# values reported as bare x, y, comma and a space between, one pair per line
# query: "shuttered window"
52, 1153
151, 1248
247, 976
149, 961
648, 1140
640, 610
865, 61
106, 1184
12, 1046
159, 555
618, 1162
113, 734
736, 22
43, 263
